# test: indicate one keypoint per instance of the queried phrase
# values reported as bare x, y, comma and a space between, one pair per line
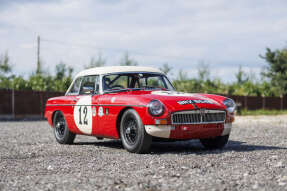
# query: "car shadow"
187, 147
195, 147
115, 144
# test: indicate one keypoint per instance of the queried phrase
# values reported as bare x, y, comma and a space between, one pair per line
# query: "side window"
90, 85
75, 87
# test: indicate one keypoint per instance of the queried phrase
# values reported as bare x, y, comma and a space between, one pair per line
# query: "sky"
222, 34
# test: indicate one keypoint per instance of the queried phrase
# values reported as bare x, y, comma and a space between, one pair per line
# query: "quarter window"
76, 86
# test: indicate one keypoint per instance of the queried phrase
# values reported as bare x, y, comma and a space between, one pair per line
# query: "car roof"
116, 69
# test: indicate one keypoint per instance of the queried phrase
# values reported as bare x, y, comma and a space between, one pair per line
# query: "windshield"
136, 81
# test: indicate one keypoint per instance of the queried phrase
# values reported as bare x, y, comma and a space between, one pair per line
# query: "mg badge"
202, 113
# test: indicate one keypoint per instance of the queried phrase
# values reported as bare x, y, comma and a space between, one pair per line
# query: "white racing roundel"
83, 115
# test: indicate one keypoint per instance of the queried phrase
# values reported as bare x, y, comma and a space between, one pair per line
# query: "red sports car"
138, 105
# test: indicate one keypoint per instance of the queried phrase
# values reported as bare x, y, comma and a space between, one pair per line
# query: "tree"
37, 82
165, 68
63, 77
19, 83
96, 62
241, 76
127, 61
276, 70
60, 71
5, 66
203, 71
5, 71
182, 76
63, 71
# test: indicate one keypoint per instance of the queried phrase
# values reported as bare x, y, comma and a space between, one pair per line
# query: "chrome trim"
196, 118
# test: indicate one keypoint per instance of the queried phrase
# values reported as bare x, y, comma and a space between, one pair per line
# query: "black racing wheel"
133, 135
61, 131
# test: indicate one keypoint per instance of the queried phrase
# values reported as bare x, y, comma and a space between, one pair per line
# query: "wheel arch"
52, 116
119, 118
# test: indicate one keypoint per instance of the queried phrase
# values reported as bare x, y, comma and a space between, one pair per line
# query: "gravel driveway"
255, 158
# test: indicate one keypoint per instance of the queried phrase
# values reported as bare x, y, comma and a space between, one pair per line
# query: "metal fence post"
245, 104
41, 103
13, 103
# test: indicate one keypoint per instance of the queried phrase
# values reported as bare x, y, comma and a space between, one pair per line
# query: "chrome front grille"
201, 116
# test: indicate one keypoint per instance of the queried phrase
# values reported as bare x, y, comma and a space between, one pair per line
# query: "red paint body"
116, 103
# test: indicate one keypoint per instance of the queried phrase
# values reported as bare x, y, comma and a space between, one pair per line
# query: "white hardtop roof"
116, 69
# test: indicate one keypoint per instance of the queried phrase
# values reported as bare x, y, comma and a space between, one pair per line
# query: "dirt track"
255, 158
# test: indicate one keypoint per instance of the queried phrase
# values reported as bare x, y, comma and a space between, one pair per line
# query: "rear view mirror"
87, 90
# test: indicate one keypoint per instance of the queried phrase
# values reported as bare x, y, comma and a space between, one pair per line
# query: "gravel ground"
255, 158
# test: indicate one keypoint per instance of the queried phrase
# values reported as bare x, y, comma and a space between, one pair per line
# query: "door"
84, 112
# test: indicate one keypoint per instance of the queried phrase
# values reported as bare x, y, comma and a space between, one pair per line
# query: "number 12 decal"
84, 113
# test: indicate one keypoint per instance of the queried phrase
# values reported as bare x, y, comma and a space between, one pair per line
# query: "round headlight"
230, 105
155, 108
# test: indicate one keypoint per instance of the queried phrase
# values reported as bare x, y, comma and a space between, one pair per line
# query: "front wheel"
61, 131
215, 143
133, 135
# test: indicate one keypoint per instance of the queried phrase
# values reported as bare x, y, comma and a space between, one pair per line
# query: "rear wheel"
61, 131
215, 143
133, 135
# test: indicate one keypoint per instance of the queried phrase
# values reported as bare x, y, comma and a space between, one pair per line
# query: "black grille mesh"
198, 118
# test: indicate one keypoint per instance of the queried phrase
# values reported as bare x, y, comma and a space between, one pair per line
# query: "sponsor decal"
113, 99
185, 102
94, 111
101, 111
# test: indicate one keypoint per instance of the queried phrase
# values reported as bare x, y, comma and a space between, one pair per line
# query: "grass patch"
262, 112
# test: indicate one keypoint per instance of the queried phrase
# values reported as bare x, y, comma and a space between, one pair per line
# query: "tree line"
272, 82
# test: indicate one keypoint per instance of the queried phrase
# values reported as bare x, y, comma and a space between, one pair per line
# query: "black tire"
215, 143
133, 135
61, 131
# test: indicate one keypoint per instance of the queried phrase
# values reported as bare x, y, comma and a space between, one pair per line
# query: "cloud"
181, 33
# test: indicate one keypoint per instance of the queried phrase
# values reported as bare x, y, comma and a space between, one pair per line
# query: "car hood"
173, 100
186, 101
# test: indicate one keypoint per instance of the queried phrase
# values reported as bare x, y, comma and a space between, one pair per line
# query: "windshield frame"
165, 81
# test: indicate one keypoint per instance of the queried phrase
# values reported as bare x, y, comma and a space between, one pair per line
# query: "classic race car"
138, 105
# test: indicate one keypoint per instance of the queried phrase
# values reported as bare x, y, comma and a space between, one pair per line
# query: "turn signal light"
161, 122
